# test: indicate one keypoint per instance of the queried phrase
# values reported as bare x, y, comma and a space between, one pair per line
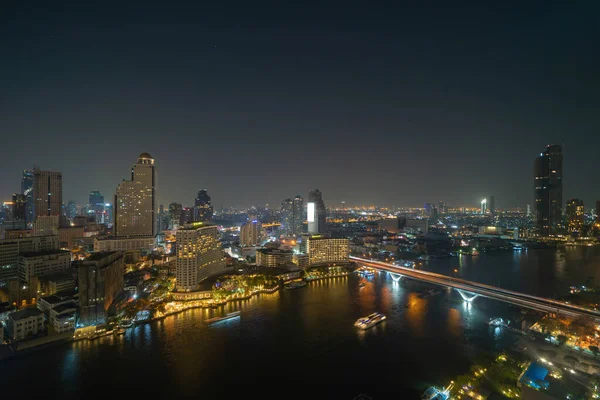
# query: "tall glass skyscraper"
316, 214
298, 216
27, 191
47, 193
96, 206
203, 209
286, 219
548, 172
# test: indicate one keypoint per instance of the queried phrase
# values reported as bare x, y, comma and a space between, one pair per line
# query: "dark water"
301, 343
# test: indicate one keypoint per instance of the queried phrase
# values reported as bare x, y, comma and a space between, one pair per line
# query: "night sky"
370, 104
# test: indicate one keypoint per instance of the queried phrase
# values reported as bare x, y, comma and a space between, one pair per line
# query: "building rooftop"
52, 299
145, 155
274, 251
99, 255
25, 313
32, 254
65, 307
196, 225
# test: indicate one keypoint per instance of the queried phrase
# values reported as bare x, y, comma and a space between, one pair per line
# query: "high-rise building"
428, 207
19, 212
47, 193
442, 207
575, 215
96, 206
134, 206
273, 257
298, 216
548, 171
71, 209
483, 206
11, 248
199, 255
100, 281
598, 211
316, 214
287, 216
323, 250
529, 210
108, 214
250, 233
175, 210
492, 205
27, 191
203, 209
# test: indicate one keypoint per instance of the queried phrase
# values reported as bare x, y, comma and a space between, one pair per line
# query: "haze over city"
413, 103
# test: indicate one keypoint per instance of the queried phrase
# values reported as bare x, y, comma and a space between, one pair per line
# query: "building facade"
298, 216
100, 281
39, 264
11, 248
273, 257
134, 205
548, 171
316, 214
199, 255
286, 216
47, 193
323, 250
146, 244
250, 233
27, 191
575, 215
203, 209
25, 323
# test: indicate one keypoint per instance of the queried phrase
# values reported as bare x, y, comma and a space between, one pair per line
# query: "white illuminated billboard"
310, 212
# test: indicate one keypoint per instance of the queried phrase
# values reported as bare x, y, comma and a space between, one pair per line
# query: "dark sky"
372, 104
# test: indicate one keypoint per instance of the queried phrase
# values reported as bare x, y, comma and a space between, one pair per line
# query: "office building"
575, 215
316, 214
323, 250
42, 263
548, 172
273, 257
100, 281
134, 206
26, 323
27, 191
46, 225
287, 216
250, 233
492, 205
71, 209
442, 207
96, 206
298, 216
203, 209
529, 210
11, 248
47, 193
58, 282
19, 212
416, 226
483, 209
390, 225
137, 244
199, 255
175, 211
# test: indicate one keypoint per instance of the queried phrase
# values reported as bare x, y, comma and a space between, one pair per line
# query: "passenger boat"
370, 320
231, 315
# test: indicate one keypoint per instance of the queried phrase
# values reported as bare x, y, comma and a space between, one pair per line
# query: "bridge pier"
467, 296
395, 277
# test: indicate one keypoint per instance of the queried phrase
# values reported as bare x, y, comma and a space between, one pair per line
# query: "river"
301, 343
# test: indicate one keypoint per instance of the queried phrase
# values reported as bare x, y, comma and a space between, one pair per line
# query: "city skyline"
418, 111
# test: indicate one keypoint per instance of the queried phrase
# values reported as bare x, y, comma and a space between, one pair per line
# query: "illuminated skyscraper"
492, 205
287, 216
199, 255
19, 212
96, 206
47, 193
548, 171
27, 191
250, 233
483, 206
298, 216
134, 206
575, 215
316, 214
203, 209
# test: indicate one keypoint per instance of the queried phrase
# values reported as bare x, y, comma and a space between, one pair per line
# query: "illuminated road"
469, 290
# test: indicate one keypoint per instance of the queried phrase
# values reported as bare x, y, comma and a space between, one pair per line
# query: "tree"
562, 339
594, 350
